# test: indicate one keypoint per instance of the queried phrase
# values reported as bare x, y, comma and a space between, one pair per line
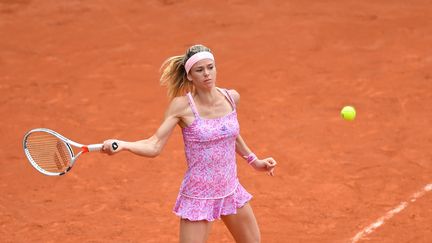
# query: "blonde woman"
207, 116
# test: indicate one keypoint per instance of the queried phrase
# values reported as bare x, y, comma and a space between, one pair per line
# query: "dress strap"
192, 105
230, 98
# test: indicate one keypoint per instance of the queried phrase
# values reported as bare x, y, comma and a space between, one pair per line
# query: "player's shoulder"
179, 102
178, 105
234, 94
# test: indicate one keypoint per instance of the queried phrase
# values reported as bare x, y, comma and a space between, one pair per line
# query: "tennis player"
207, 116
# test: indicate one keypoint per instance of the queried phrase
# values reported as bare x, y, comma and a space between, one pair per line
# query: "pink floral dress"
210, 187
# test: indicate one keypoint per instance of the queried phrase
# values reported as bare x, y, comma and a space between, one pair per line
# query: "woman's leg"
194, 231
243, 225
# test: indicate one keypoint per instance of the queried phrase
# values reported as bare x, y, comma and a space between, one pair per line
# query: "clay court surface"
90, 70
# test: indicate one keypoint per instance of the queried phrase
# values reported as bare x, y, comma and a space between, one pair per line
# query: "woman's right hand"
112, 146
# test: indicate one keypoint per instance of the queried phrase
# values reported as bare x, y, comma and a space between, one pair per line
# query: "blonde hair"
174, 75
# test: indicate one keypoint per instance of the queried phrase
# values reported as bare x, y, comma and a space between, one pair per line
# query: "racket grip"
114, 146
94, 147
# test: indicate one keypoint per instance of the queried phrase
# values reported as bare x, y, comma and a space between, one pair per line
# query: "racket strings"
48, 151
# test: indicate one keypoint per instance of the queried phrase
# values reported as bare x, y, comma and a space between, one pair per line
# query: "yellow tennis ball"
348, 113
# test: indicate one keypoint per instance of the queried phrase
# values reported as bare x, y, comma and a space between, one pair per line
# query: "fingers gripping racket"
51, 153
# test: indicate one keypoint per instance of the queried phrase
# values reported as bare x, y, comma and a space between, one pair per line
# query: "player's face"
203, 73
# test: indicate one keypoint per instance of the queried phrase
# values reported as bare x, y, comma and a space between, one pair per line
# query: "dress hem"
212, 218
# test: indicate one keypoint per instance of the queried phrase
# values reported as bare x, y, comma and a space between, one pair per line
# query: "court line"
390, 214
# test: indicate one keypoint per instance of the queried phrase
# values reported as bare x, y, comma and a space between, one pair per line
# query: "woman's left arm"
267, 164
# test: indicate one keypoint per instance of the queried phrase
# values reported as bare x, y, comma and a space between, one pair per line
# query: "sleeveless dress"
210, 187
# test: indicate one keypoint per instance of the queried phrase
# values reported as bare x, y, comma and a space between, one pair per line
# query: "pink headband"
196, 58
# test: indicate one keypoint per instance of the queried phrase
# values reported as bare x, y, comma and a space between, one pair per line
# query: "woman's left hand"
267, 164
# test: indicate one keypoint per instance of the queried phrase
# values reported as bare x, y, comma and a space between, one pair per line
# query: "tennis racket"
51, 153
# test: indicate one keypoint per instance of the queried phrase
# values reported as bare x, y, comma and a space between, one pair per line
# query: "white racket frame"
68, 143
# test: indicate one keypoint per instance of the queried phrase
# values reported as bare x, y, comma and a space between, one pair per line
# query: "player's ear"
188, 76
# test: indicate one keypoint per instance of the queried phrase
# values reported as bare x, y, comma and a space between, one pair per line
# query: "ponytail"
174, 77
174, 74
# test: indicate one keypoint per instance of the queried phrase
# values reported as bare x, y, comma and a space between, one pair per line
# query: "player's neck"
208, 97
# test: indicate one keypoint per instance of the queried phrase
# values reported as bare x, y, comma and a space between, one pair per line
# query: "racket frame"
67, 142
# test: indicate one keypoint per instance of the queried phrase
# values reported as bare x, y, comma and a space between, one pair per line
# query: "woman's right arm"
152, 146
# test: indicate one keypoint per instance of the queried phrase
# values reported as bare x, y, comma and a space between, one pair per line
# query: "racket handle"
94, 147
114, 146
